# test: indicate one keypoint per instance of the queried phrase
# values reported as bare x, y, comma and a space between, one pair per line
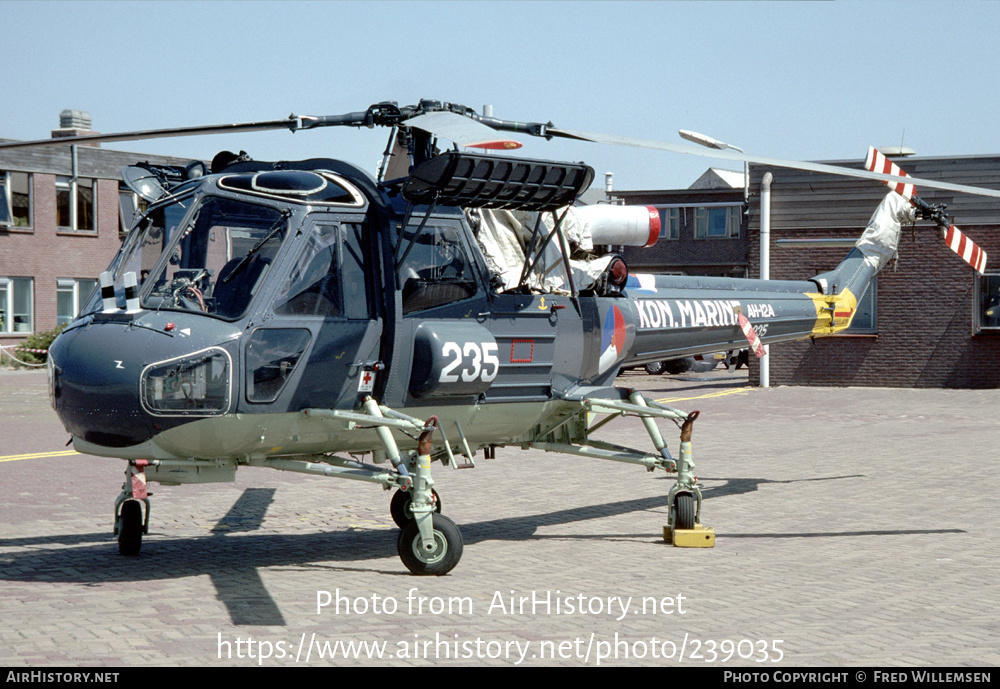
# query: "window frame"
8, 220
734, 213
670, 221
71, 186
978, 310
8, 312
79, 296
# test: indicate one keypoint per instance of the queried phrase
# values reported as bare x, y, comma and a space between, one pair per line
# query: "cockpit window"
143, 247
215, 262
436, 268
313, 288
301, 186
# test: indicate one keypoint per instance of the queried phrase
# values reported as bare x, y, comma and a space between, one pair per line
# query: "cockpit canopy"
207, 250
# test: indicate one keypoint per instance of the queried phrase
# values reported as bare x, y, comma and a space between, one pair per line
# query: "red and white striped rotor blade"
876, 162
966, 248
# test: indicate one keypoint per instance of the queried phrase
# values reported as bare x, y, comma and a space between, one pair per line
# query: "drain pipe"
765, 264
74, 188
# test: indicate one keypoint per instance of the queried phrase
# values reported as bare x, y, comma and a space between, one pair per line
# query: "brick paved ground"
855, 527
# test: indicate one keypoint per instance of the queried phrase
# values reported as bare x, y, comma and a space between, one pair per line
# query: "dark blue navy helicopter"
307, 316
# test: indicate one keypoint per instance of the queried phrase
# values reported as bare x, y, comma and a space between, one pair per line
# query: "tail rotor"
956, 240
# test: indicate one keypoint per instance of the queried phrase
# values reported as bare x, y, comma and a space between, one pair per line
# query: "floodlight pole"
709, 142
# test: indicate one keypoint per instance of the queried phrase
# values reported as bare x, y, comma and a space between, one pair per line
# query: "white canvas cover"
504, 234
881, 236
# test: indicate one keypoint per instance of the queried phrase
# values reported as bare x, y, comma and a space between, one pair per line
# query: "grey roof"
716, 178
101, 163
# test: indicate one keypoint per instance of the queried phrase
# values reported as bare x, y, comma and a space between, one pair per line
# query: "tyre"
684, 511
399, 506
442, 559
675, 366
655, 368
130, 528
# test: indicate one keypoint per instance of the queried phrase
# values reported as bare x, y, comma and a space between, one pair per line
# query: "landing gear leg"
685, 495
401, 503
684, 527
129, 522
430, 544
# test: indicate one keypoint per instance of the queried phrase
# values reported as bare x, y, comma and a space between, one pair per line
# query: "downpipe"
765, 264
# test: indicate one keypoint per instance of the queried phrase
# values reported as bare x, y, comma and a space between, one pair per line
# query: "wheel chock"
698, 537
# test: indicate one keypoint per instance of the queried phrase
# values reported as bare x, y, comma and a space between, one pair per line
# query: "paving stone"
853, 527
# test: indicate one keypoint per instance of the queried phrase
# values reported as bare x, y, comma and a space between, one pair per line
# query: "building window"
988, 303
670, 223
16, 300
15, 199
79, 216
71, 296
716, 222
865, 321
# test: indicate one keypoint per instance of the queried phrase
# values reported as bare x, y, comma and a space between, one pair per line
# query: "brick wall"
925, 318
707, 256
46, 254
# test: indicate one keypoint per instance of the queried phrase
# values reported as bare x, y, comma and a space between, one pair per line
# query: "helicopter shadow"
231, 554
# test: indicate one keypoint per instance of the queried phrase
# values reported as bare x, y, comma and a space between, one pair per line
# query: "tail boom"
679, 316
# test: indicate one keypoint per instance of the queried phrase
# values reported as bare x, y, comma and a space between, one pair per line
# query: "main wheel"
130, 528
655, 368
399, 506
442, 558
677, 366
684, 511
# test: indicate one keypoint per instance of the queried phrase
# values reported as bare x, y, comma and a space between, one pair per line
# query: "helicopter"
307, 316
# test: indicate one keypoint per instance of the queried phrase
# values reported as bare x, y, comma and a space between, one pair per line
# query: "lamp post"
709, 142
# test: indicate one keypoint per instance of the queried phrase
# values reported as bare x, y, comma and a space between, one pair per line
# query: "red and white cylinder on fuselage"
620, 225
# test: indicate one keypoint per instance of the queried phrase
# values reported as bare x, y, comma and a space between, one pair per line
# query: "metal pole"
765, 263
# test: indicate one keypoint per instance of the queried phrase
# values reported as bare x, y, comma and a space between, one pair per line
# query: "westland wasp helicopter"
306, 316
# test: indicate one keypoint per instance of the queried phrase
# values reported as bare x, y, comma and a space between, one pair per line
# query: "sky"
803, 81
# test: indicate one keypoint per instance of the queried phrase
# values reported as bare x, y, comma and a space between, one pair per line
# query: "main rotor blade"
462, 130
764, 160
291, 123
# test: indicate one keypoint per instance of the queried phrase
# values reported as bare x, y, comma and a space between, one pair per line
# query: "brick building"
928, 321
703, 229
61, 218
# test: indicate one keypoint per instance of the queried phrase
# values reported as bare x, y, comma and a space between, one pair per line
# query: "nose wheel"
435, 557
130, 528
129, 522
429, 543
684, 511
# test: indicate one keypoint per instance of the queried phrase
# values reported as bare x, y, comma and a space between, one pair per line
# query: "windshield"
214, 263
142, 248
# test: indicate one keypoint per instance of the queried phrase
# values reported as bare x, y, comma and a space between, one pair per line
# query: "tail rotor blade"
966, 248
877, 162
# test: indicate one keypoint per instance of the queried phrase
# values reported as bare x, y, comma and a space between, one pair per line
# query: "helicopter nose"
118, 384
93, 386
